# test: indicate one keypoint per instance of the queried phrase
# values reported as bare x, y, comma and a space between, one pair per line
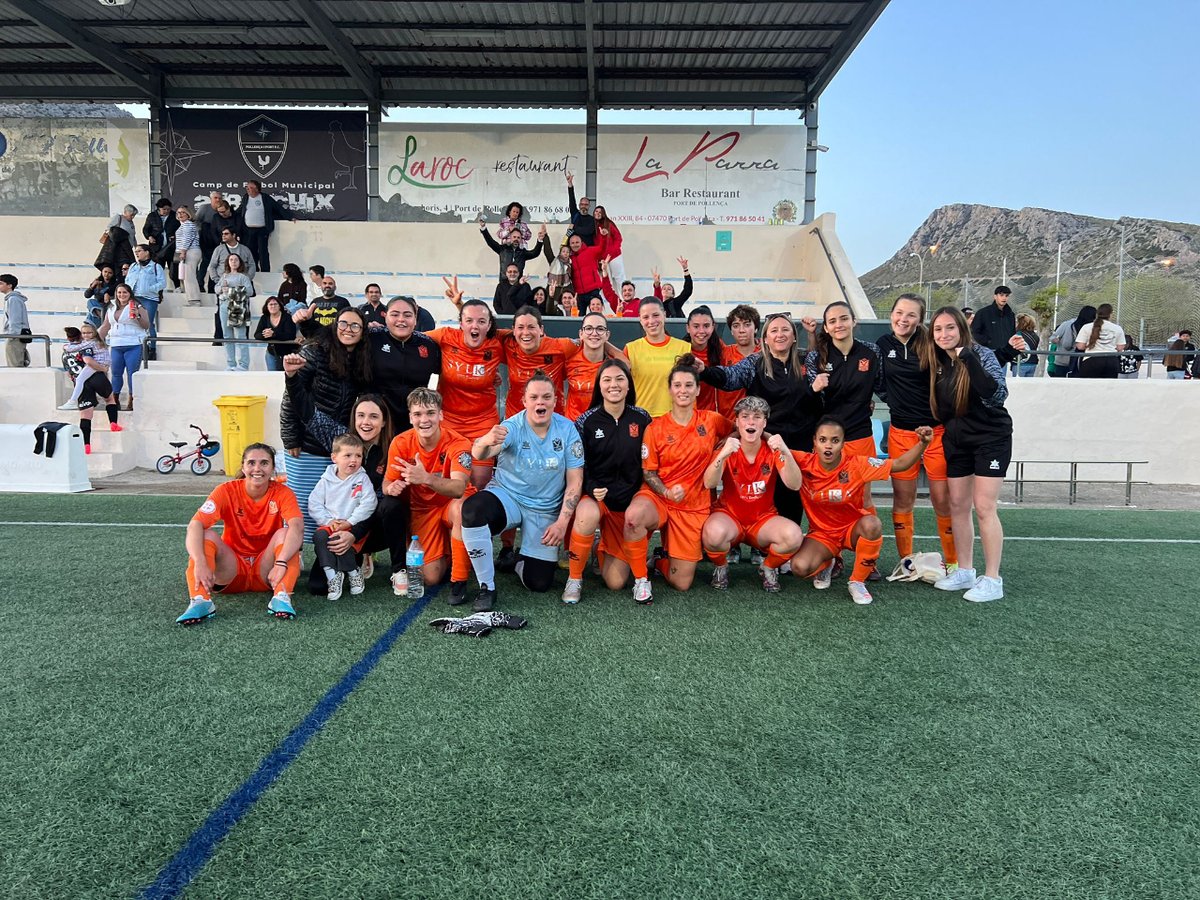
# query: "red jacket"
585, 266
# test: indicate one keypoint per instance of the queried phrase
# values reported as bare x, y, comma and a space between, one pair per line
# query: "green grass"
708, 746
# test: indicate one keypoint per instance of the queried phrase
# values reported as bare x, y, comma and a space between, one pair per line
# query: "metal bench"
1073, 479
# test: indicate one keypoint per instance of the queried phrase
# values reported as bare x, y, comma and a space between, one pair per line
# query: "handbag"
26, 340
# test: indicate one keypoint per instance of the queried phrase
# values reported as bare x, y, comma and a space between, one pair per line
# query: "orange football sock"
717, 559
663, 566
902, 523
635, 554
775, 559
578, 552
210, 557
866, 552
946, 536
291, 574
460, 563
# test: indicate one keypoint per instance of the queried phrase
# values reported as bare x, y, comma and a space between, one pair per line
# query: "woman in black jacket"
776, 373
276, 325
322, 381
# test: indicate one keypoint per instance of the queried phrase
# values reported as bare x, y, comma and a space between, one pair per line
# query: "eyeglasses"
349, 326
593, 329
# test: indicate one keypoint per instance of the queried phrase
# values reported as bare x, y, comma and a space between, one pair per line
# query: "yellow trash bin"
243, 419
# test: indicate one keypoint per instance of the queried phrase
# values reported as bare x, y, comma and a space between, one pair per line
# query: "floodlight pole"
1120, 273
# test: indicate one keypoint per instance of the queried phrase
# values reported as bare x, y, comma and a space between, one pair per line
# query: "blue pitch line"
192, 857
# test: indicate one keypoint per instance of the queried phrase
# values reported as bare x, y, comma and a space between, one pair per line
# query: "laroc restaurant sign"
314, 162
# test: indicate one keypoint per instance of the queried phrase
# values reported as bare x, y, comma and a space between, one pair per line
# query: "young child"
342, 498
78, 349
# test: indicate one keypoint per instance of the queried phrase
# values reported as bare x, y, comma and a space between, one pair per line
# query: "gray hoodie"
16, 315
352, 499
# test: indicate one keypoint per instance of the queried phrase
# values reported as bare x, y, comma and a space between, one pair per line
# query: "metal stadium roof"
585, 53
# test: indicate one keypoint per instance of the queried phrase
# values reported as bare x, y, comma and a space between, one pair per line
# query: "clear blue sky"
1086, 106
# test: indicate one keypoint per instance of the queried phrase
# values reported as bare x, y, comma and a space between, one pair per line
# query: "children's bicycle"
202, 452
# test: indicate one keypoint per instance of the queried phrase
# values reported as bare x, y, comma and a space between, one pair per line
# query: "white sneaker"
822, 579
859, 593
573, 591
641, 591
985, 589
786, 568
958, 580
335, 586
356, 583
70, 404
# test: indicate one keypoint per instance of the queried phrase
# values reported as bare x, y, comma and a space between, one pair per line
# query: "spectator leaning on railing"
1178, 365
16, 321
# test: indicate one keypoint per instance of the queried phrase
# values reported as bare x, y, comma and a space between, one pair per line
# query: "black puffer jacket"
316, 398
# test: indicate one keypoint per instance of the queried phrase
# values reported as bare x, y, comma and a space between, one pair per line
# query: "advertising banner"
721, 175
313, 162
73, 167
456, 173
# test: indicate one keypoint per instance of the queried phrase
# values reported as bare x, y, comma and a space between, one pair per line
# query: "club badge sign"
263, 142
313, 162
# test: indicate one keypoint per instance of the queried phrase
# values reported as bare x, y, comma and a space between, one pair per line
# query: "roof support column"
811, 147
374, 115
593, 104
590, 143
156, 185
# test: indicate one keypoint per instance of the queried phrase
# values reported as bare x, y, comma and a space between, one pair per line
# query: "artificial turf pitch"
738, 745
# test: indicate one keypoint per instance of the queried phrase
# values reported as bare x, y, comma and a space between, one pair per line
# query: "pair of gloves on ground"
478, 624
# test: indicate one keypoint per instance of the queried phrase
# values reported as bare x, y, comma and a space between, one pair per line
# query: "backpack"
237, 302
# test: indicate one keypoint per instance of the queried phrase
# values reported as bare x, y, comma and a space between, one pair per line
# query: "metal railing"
147, 341
1073, 479
1148, 355
29, 339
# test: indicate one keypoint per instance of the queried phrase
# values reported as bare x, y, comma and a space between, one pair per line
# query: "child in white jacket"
342, 499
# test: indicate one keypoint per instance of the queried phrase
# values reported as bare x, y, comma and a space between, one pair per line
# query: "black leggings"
485, 509
393, 532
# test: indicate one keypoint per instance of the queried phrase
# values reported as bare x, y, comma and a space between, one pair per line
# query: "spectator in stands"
230, 245
1103, 336
425, 320
627, 304
1026, 364
1178, 365
276, 325
86, 358
1060, 365
995, 324
512, 293
666, 292
188, 254
585, 270
147, 280
402, 359
208, 240
293, 292
582, 222
512, 222
558, 276
316, 281
234, 291
969, 315
607, 229
227, 217
159, 231
117, 241
323, 311
541, 299
373, 311
16, 321
599, 307
652, 356
259, 212
513, 253
566, 302
99, 295
1131, 361
124, 328
966, 383
321, 383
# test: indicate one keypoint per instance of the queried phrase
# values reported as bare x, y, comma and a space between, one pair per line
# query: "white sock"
478, 542
330, 574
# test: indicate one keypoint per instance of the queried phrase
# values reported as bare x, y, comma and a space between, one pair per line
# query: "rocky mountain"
972, 245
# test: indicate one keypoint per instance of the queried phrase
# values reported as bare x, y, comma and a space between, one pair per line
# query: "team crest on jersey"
864, 365
844, 477
634, 431
423, 352
355, 491
670, 438
765, 469
273, 508
442, 458
464, 460
487, 355
599, 433
558, 445
702, 431
548, 359
208, 507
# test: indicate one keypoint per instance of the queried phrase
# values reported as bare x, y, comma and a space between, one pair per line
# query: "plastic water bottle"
414, 560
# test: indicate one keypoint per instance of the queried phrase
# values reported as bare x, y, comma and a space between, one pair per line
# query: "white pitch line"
919, 537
